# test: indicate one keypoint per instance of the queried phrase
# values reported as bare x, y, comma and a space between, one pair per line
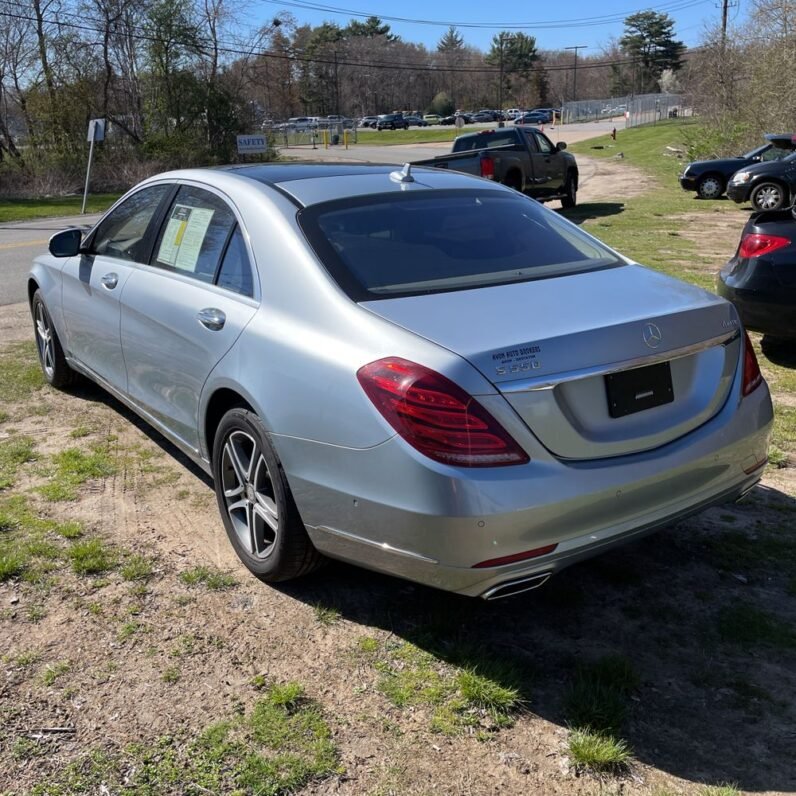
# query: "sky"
555, 26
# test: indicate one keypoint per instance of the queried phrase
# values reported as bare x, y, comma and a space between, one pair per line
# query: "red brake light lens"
752, 377
436, 416
755, 245
488, 167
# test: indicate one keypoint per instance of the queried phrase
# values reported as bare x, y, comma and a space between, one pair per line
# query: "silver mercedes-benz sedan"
420, 372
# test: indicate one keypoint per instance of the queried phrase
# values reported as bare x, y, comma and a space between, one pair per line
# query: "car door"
184, 310
93, 282
552, 171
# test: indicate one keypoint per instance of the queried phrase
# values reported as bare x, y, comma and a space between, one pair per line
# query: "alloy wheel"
249, 494
45, 340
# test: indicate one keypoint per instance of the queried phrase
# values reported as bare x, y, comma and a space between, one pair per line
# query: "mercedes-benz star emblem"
652, 335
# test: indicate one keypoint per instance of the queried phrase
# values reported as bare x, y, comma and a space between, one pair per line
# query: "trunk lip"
551, 380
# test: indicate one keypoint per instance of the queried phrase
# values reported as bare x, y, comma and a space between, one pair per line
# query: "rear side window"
122, 234
434, 241
235, 273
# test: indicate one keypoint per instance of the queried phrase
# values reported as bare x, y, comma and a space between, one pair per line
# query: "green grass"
14, 452
92, 557
456, 698
414, 135
137, 567
171, 675
20, 373
26, 209
73, 468
209, 577
31, 546
749, 627
598, 751
280, 747
598, 698
54, 671
326, 615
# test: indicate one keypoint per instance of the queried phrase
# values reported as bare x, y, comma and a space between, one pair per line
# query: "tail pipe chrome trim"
512, 587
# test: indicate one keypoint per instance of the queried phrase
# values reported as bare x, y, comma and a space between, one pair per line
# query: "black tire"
51, 355
570, 197
773, 346
513, 180
711, 186
769, 196
253, 493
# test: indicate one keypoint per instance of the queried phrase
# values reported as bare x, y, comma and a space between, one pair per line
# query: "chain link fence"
315, 136
634, 110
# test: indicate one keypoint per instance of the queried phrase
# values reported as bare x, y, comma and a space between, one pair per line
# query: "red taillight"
437, 417
488, 167
752, 377
754, 245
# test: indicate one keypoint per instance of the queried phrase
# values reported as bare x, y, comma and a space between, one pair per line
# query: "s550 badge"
519, 367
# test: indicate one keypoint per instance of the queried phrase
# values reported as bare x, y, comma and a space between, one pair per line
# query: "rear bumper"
389, 509
770, 309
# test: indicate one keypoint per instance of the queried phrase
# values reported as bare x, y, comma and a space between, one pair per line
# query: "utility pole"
725, 5
336, 87
575, 71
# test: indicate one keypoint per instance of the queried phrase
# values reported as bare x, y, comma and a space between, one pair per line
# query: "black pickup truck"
521, 157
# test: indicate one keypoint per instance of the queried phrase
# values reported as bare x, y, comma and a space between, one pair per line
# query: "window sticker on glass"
184, 236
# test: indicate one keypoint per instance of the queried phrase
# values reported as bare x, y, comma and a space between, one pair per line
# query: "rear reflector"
754, 245
499, 562
488, 167
436, 416
752, 377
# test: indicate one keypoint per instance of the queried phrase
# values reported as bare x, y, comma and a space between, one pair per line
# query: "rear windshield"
409, 244
484, 141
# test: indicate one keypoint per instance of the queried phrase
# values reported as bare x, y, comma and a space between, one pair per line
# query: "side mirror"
561, 145
757, 158
66, 243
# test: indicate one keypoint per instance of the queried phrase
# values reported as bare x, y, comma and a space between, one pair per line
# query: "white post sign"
96, 132
252, 144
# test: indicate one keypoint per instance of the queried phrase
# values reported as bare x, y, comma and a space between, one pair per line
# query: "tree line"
178, 79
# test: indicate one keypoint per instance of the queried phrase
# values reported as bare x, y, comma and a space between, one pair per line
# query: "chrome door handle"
110, 280
211, 318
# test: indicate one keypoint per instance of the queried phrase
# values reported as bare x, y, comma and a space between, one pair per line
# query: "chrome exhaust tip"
512, 587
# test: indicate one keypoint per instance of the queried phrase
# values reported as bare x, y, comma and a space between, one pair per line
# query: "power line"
674, 5
239, 51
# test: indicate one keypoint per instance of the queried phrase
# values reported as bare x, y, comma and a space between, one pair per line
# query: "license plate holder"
631, 391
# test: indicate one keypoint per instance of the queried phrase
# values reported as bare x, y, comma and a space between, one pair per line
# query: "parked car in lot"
432, 118
304, 333
392, 121
524, 159
709, 178
760, 280
768, 186
368, 121
481, 117
533, 117
415, 121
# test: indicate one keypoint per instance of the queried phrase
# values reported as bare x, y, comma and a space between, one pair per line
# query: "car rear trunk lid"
577, 356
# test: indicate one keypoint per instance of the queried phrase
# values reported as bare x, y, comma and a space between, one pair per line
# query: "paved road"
20, 242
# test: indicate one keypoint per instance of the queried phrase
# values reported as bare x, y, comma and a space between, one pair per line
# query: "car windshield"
424, 242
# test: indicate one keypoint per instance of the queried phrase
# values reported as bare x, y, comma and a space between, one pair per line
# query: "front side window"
544, 143
195, 234
122, 234
435, 241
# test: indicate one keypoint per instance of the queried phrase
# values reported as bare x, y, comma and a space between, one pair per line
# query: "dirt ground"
711, 704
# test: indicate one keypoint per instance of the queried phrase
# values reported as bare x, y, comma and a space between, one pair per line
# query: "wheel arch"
220, 402
33, 286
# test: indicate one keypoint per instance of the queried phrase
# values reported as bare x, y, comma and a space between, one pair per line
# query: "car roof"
311, 183
785, 138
